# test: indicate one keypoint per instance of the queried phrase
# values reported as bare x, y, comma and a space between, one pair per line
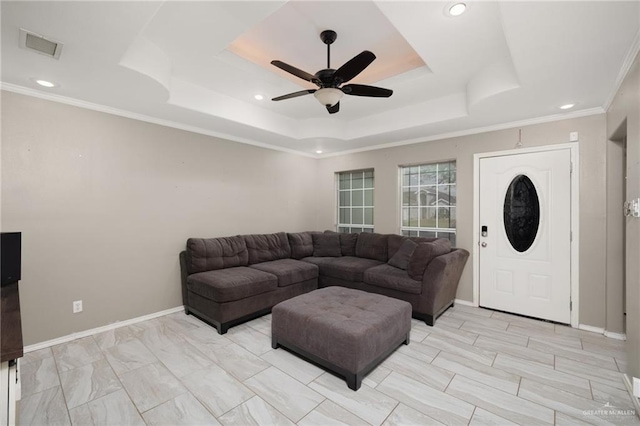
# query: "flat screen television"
10, 257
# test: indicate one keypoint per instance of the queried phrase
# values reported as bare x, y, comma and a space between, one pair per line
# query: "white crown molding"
474, 131
141, 117
624, 70
94, 331
167, 123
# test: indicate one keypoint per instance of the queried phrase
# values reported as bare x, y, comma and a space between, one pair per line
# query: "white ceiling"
198, 65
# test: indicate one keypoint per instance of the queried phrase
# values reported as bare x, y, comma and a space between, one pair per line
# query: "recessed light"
319, 151
259, 97
457, 9
45, 83
567, 106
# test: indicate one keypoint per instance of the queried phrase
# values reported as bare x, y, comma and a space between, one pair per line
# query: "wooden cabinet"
10, 350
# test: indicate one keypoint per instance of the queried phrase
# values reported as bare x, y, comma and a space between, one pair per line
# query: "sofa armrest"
440, 280
183, 277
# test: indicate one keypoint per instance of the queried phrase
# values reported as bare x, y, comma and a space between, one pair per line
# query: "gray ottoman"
347, 331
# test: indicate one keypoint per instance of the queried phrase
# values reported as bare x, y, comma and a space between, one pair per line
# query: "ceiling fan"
329, 81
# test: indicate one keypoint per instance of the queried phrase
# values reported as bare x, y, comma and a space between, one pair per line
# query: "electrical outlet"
77, 306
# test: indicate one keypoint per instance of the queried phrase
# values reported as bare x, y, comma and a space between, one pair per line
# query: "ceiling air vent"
39, 44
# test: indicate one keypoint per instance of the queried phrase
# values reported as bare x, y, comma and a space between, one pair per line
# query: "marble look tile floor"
475, 367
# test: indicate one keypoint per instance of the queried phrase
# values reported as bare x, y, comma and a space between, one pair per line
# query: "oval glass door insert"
521, 213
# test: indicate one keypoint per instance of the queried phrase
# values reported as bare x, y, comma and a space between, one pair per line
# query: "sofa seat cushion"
227, 285
346, 268
387, 276
289, 271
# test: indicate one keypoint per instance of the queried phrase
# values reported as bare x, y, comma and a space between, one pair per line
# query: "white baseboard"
636, 402
600, 330
464, 302
591, 328
617, 336
91, 332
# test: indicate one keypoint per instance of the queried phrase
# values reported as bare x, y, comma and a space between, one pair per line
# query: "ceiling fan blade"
294, 95
333, 109
353, 67
295, 71
364, 90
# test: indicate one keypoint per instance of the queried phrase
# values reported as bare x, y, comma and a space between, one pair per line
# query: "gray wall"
616, 165
592, 192
626, 106
106, 203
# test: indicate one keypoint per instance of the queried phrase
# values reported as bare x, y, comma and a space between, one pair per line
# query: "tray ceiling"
198, 65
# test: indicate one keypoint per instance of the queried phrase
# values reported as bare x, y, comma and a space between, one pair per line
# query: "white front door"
525, 242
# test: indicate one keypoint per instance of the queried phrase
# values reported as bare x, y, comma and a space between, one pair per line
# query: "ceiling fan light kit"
328, 97
329, 81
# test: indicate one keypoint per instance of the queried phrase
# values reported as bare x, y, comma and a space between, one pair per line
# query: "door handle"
483, 244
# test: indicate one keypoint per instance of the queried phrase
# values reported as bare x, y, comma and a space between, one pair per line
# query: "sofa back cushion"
267, 247
372, 246
326, 245
425, 253
301, 244
348, 244
402, 256
395, 241
208, 254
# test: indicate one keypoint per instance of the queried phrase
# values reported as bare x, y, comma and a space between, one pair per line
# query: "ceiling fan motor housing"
326, 78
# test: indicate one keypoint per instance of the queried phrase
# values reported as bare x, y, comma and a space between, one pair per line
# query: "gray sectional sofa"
230, 280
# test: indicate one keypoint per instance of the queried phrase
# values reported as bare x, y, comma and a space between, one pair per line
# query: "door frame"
575, 218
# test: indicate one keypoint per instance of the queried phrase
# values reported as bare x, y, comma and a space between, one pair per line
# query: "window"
429, 201
355, 201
